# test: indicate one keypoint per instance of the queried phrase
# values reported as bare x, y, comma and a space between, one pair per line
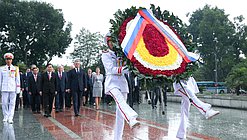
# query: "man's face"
28, 70
89, 71
49, 68
110, 45
8, 61
77, 64
60, 69
35, 71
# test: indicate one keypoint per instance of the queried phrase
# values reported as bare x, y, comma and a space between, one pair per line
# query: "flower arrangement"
154, 55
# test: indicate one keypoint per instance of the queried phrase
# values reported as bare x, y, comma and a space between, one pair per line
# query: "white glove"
125, 70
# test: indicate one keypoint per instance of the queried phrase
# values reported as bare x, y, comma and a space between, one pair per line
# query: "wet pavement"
99, 124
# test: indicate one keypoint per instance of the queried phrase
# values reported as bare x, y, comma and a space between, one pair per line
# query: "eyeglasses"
8, 59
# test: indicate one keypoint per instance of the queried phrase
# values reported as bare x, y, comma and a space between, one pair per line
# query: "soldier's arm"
17, 80
109, 66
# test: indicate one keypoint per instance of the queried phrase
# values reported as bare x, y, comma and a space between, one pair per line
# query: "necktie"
60, 75
49, 75
35, 77
9, 67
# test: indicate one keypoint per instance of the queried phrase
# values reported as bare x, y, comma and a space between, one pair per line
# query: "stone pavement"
98, 125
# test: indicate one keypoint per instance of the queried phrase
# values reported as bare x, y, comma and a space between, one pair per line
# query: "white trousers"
8, 132
8, 104
185, 108
123, 112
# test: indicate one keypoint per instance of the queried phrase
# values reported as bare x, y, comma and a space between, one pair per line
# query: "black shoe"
49, 115
77, 115
57, 110
45, 115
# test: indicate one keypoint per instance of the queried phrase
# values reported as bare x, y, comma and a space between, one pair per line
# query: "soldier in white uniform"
9, 86
187, 91
116, 85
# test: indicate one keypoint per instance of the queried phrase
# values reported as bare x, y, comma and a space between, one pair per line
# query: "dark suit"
48, 87
26, 96
34, 89
62, 82
89, 91
77, 84
68, 94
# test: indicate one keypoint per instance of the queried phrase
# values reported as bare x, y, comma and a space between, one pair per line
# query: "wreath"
154, 55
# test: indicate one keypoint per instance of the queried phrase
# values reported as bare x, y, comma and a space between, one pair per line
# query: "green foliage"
87, 47
237, 78
165, 16
33, 31
217, 41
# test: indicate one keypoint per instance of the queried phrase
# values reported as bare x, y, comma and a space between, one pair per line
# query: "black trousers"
59, 100
17, 101
68, 99
48, 102
76, 101
26, 99
136, 95
35, 102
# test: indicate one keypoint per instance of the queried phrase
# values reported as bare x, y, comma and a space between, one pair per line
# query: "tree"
213, 32
240, 38
87, 47
237, 78
33, 31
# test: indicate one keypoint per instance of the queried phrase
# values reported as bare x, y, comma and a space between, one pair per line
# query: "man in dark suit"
26, 96
48, 89
89, 92
62, 82
34, 90
77, 85
68, 95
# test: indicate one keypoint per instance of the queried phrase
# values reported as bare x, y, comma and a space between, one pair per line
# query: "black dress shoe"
57, 110
77, 115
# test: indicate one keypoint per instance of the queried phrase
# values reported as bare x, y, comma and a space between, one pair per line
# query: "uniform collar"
112, 53
8, 66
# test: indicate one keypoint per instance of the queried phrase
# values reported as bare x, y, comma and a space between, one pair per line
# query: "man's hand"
68, 90
40, 93
85, 89
55, 92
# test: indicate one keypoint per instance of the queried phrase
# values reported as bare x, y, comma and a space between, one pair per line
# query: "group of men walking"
41, 88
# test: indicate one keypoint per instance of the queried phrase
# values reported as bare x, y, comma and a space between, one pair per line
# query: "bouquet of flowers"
154, 43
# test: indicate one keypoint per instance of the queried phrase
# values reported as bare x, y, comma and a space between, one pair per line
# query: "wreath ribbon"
136, 28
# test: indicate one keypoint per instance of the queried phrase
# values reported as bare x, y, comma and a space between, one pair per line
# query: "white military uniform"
9, 86
116, 85
191, 89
